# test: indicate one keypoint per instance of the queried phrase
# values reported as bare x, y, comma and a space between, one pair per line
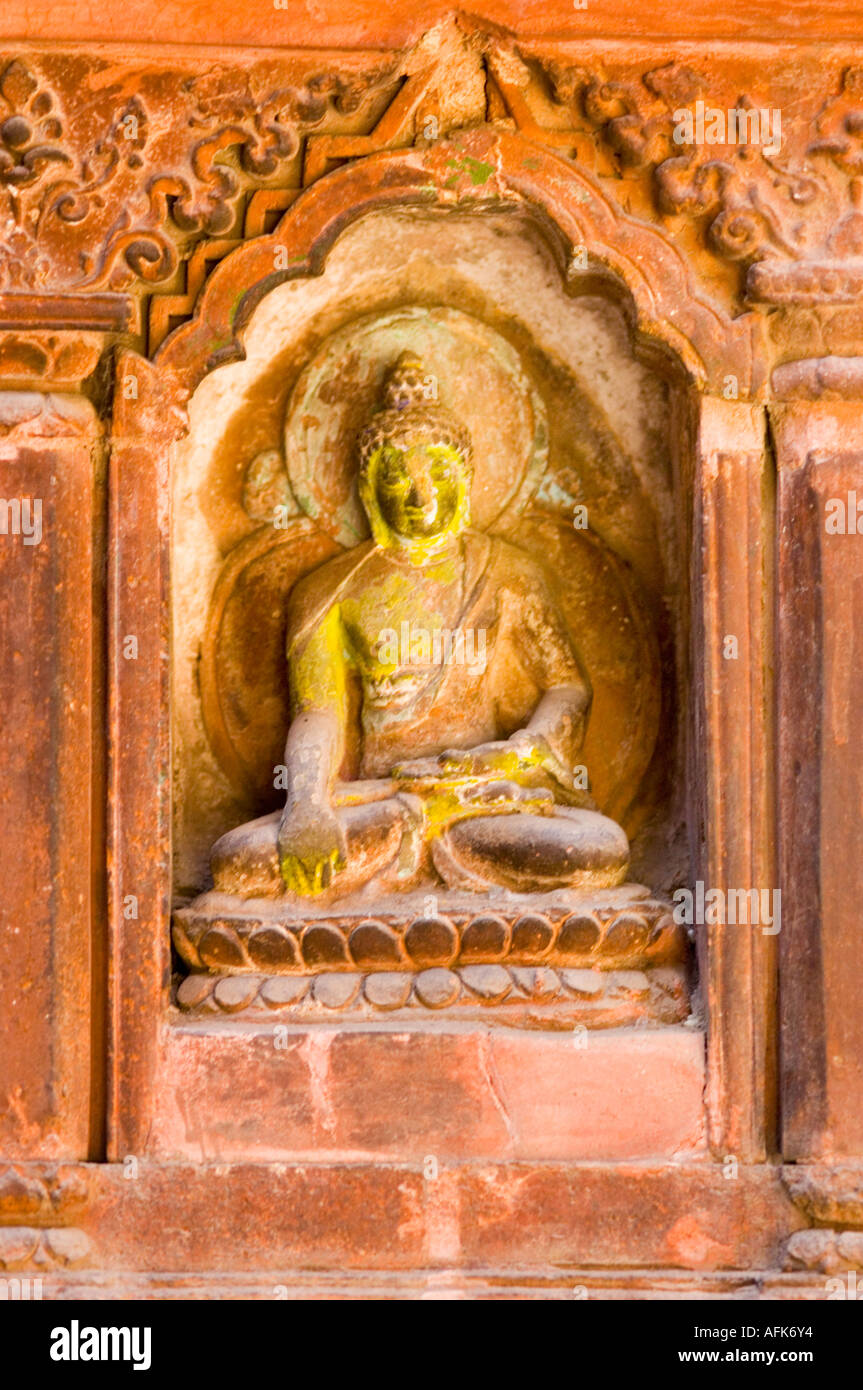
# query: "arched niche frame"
720, 475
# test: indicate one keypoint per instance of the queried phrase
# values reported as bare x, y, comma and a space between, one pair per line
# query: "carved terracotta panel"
427, 325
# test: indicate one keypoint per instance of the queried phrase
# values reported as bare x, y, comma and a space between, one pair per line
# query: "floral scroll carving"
746, 197
138, 197
163, 170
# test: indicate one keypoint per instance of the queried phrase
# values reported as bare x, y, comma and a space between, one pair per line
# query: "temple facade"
431, 635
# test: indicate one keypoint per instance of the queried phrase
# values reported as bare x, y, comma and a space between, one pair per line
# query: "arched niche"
604, 268
591, 493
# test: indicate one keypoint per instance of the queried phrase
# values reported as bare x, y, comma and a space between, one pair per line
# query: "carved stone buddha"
433, 660
439, 846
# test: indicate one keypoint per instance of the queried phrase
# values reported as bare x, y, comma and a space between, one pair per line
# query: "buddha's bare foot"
247, 860
531, 853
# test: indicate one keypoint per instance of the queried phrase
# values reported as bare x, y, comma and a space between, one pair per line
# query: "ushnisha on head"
415, 466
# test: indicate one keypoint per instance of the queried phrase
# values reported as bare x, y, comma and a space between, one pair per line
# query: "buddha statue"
438, 704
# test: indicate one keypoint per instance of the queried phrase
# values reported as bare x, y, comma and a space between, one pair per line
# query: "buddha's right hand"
312, 848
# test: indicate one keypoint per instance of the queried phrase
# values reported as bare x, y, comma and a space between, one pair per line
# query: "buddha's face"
419, 492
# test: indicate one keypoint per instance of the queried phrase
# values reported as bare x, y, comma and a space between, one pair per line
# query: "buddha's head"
415, 466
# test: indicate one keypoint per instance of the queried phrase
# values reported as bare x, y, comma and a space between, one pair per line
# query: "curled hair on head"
408, 418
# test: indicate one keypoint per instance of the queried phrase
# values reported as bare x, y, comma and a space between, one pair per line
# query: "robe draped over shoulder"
526, 649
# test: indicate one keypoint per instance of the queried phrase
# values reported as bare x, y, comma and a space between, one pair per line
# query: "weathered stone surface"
28, 1248
578, 935
336, 991
324, 945
193, 990
272, 946
51, 628
456, 1093
626, 935
366, 943
374, 943
67, 1245
485, 938
278, 993
431, 941
388, 989
490, 982
583, 982
631, 981
532, 936
235, 992
363, 1214
437, 987
533, 998
219, 947
339, 25
829, 1194
744, 278
819, 449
